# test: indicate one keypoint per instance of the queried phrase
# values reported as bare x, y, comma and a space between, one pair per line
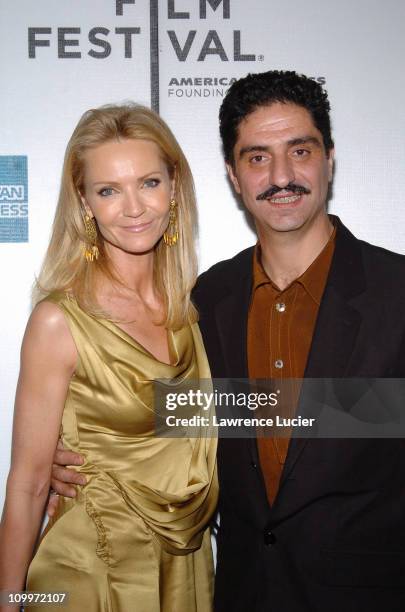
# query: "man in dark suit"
305, 524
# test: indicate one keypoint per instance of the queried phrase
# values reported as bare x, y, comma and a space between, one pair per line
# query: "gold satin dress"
136, 537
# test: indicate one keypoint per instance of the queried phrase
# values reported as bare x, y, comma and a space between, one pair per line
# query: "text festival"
101, 39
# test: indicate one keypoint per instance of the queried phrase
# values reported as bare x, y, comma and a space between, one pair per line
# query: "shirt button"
278, 364
280, 307
269, 538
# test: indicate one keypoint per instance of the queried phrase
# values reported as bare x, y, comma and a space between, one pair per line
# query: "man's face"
281, 169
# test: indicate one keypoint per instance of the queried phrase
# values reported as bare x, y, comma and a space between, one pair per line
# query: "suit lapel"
337, 325
231, 315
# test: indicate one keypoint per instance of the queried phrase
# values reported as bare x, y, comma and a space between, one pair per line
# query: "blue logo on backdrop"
13, 198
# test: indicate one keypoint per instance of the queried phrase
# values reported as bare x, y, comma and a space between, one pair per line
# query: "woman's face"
127, 189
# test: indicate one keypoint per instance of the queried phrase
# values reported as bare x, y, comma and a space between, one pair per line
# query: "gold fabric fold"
147, 503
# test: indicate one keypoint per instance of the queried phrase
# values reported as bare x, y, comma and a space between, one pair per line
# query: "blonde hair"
175, 268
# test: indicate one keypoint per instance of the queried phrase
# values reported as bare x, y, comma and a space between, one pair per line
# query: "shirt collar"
313, 279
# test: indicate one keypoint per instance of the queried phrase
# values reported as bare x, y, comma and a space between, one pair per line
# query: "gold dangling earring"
171, 234
91, 251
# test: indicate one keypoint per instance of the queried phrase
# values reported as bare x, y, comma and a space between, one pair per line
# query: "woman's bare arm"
48, 360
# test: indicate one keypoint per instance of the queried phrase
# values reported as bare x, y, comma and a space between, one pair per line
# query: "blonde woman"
112, 314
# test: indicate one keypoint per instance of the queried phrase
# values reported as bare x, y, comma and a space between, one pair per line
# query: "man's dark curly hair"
262, 89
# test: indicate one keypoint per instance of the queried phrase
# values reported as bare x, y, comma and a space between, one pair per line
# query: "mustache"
274, 189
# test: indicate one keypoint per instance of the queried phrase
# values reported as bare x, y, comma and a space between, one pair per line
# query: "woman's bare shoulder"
48, 333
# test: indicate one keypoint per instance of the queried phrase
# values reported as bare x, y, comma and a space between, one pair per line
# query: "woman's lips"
138, 227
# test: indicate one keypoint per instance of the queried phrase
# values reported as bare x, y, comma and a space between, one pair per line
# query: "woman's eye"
106, 191
152, 182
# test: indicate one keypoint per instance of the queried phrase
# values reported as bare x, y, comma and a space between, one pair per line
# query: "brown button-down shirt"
280, 330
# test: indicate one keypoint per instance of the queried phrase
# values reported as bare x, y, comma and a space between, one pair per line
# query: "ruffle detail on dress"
103, 549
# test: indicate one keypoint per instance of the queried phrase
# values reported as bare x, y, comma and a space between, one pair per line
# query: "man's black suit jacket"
334, 540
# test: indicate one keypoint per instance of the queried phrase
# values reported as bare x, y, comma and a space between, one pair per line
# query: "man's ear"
331, 161
233, 177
